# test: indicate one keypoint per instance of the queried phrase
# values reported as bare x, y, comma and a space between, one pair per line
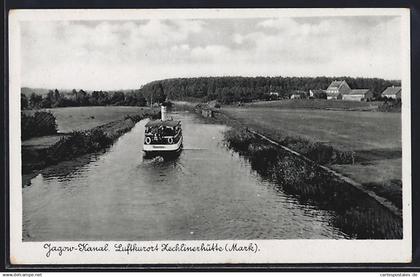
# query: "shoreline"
65, 147
356, 212
385, 199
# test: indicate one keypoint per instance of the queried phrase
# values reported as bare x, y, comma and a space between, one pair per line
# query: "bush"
78, 143
390, 105
167, 104
344, 157
263, 156
39, 124
98, 140
244, 141
319, 152
239, 139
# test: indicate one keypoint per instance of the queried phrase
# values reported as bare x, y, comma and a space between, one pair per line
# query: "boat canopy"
166, 123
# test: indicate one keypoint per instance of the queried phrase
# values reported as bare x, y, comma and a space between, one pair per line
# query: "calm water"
208, 192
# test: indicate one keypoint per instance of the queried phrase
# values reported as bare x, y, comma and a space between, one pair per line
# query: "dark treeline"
227, 90
245, 89
81, 98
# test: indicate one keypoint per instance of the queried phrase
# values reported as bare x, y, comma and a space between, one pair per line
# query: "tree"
57, 99
82, 98
24, 103
49, 100
35, 101
159, 94
117, 98
39, 124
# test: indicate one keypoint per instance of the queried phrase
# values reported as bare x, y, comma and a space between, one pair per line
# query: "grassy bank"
43, 151
355, 213
364, 146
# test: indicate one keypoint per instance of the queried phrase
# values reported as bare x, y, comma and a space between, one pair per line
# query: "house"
334, 95
358, 95
213, 104
204, 110
392, 92
298, 94
337, 89
317, 94
207, 112
273, 95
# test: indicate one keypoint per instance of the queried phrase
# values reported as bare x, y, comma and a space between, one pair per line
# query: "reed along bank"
356, 213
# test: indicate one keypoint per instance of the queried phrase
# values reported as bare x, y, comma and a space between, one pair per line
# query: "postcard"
198, 136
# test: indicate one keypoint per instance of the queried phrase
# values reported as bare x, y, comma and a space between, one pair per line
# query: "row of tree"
81, 98
224, 89
246, 89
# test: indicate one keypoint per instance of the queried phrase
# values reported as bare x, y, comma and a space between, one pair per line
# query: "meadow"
83, 118
318, 104
344, 130
373, 137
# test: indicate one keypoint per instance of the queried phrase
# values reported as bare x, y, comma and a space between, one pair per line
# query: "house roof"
358, 92
391, 90
166, 123
336, 84
299, 92
317, 91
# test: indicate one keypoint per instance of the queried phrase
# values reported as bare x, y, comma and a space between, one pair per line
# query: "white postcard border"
268, 251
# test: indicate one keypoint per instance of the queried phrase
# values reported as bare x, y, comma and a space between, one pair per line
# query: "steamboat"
162, 137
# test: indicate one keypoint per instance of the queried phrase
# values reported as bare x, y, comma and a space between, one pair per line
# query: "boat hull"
162, 149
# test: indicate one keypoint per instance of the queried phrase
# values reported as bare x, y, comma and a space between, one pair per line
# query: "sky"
127, 54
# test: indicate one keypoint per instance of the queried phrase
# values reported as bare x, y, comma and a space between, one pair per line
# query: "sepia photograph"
167, 134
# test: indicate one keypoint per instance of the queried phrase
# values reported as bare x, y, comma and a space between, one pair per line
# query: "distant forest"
245, 89
226, 90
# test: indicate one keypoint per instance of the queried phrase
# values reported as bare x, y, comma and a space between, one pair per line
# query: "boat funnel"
163, 113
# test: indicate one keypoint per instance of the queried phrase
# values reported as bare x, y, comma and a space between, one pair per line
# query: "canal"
207, 193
